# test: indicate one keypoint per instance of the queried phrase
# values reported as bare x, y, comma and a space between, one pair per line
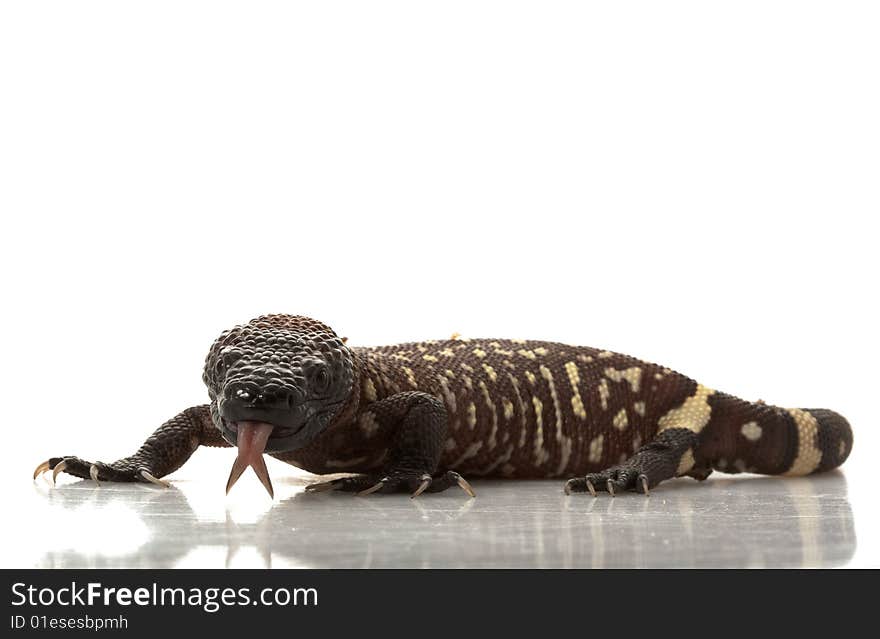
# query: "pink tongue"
252, 438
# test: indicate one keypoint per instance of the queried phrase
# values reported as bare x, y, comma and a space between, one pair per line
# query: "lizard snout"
249, 395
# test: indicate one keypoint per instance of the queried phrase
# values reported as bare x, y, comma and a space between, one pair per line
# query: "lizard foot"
395, 482
632, 475
669, 455
121, 471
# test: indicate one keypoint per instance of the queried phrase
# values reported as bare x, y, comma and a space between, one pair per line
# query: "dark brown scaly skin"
416, 416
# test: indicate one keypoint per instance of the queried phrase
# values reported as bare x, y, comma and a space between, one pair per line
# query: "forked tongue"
252, 437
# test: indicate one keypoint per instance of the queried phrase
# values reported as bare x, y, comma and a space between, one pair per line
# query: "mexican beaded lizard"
419, 416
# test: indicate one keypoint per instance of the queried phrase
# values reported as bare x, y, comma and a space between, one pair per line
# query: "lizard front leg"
417, 422
669, 454
165, 451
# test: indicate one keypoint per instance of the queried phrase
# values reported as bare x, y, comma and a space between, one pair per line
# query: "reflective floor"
746, 521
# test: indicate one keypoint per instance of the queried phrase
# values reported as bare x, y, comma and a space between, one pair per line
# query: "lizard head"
275, 383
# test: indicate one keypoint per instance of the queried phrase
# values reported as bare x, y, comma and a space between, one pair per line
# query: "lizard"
421, 416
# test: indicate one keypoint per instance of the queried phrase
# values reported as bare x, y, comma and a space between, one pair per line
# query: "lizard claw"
465, 486
322, 487
395, 481
369, 491
143, 472
426, 481
42, 468
610, 486
579, 484
58, 468
93, 473
644, 481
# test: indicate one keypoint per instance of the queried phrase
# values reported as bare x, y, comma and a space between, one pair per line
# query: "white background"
691, 183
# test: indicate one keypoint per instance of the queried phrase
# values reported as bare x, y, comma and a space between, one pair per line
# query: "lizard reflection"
763, 522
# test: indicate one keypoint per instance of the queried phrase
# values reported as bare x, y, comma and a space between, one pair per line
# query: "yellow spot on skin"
369, 390
491, 406
471, 451
577, 405
586, 359
368, 424
401, 357
509, 364
658, 376
455, 336
574, 378
490, 372
606, 354
447, 352
527, 354
540, 351
596, 445
604, 393
808, 455
518, 341
620, 421
686, 462
471, 415
541, 455
531, 377
507, 405
504, 352
563, 441
449, 374
632, 375
467, 367
522, 410
448, 395
751, 431
639, 408
410, 376
499, 459
479, 352
693, 414
468, 382
429, 358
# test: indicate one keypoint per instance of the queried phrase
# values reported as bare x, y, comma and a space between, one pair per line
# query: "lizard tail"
759, 438
833, 439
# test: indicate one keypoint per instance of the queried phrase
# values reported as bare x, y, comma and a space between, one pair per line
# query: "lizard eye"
321, 380
225, 359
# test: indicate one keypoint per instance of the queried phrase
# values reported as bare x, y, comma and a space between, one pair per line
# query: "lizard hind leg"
670, 454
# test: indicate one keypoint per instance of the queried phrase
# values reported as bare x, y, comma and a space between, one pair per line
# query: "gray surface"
743, 521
